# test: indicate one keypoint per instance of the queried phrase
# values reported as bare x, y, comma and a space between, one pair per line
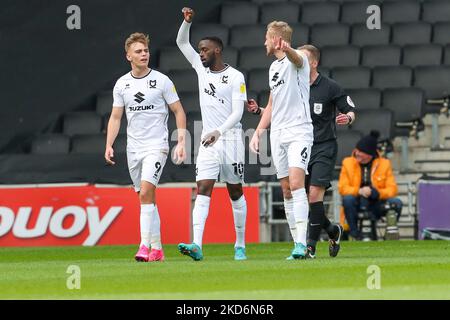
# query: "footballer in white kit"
221, 155
145, 95
291, 135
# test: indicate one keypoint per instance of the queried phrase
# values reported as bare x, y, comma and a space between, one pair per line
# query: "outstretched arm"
183, 36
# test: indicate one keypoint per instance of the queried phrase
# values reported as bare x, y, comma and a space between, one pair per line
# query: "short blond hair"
281, 29
136, 37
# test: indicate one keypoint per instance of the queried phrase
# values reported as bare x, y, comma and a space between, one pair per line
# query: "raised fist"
188, 14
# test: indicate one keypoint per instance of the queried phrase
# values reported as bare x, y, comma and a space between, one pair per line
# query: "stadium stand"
340, 56
362, 36
51, 144
391, 77
383, 55
201, 30
287, 11
330, 34
81, 123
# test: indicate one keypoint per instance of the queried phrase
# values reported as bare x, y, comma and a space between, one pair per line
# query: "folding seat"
400, 11
324, 71
88, 143
194, 128
201, 30
238, 13
385, 55
407, 105
362, 36
81, 122
301, 1
171, 58
340, 56
230, 56
269, 1
391, 77
379, 119
435, 80
184, 80
263, 98
254, 58
319, 12
248, 36
330, 34
352, 77
447, 55
190, 101
347, 140
356, 12
436, 11
441, 33
258, 80
50, 144
422, 55
369, 98
104, 102
411, 33
300, 35
288, 12
123, 123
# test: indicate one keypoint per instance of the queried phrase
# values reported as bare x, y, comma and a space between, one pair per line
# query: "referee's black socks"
317, 221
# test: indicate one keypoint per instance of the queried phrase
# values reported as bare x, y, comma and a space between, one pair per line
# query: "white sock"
145, 222
155, 230
199, 215
289, 210
301, 210
240, 215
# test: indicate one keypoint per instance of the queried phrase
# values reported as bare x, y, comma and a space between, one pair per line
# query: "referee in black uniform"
325, 97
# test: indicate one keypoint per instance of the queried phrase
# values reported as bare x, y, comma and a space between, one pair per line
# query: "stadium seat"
50, 144
263, 98
300, 35
369, 98
401, 11
258, 80
340, 56
352, 77
104, 102
411, 33
447, 55
441, 33
190, 101
330, 34
248, 36
82, 122
184, 80
238, 13
171, 58
123, 123
253, 58
347, 140
201, 30
230, 56
422, 55
379, 119
435, 80
194, 127
436, 11
287, 11
324, 71
391, 77
387, 55
269, 1
356, 11
407, 105
362, 36
320, 12
89, 143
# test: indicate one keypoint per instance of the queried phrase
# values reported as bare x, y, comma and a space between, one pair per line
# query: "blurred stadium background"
57, 84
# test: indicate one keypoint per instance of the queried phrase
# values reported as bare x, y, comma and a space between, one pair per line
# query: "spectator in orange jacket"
366, 182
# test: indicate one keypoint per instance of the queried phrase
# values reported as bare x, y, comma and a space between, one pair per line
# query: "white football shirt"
289, 86
145, 100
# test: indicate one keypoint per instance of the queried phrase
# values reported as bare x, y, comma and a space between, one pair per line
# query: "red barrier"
90, 215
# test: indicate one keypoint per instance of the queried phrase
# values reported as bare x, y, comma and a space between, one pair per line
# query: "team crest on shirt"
152, 84
225, 79
318, 108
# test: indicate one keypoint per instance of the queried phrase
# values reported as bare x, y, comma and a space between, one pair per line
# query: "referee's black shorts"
321, 164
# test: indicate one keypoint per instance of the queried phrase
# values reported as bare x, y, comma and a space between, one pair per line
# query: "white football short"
146, 166
223, 161
291, 148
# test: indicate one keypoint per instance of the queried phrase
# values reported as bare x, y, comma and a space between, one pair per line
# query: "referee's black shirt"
325, 96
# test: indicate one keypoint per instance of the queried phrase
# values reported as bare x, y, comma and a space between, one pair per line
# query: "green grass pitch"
409, 270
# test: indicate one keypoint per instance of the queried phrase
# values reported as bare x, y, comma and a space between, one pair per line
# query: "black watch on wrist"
258, 112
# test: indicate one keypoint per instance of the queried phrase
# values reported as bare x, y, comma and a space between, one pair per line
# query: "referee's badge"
317, 108
350, 102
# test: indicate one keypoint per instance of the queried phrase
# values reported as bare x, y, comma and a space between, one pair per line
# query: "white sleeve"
237, 107
304, 58
117, 95
170, 93
239, 89
183, 43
